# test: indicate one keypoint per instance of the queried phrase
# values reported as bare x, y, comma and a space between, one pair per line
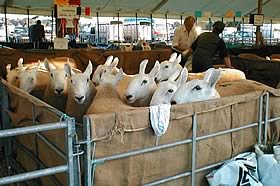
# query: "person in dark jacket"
37, 32
205, 48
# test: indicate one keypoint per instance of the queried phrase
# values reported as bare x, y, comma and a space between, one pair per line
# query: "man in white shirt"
184, 36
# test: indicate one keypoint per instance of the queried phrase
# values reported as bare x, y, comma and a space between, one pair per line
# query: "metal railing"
70, 156
90, 162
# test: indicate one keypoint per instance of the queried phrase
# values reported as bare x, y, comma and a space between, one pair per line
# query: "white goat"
56, 91
12, 75
166, 89
33, 80
107, 98
199, 90
142, 86
110, 66
170, 68
81, 92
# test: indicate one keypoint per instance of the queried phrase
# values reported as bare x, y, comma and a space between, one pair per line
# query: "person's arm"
224, 53
228, 62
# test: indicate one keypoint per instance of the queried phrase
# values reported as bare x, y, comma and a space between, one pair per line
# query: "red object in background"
87, 11
75, 2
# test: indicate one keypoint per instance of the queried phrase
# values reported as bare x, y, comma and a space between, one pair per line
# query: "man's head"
38, 22
189, 22
218, 27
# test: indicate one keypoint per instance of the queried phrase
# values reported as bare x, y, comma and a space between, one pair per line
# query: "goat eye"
65, 75
197, 87
104, 71
170, 90
16, 77
87, 79
51, 75
166, 66
71, 81
144, 81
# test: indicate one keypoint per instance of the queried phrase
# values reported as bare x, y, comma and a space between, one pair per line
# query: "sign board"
60, 43
67, 11
256, 19
238, 14
198, 14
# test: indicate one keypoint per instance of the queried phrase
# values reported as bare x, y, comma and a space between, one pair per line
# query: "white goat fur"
81, 92
107, 98
199, 90
170, 68
142, 86
33, 80
166, 89
110, 66
56, 91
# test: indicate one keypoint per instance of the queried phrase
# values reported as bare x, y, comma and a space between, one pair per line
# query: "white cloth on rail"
159, 117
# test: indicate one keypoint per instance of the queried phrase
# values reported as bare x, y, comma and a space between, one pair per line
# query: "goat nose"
58, 90
173, 102
79, 98
128, 97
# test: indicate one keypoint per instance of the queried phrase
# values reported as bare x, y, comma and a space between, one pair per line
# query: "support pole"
258, 29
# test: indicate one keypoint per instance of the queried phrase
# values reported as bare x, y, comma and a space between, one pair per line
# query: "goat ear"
8, 67
67, 69
178, 59
118, 76
173, 57
115, 62
109, 60
46, 63
142, 66
155, 69
212, 76
182, 78
20, 66
88, 70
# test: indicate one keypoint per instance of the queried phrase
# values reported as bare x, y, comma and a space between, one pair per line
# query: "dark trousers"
201, 64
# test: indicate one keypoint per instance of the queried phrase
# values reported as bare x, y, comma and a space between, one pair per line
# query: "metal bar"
152, 35
19, 169
32, 129
260, 120
194, 130
136, 24
51, 145
6, 23
270, 32
28, 23
151, 149
118, 29
33, 174
181, 175
52, 26
33, 157
266, 117
166, 27
97, 17
87, 150
69, 148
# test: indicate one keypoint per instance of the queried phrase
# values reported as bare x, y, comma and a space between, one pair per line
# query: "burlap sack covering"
121, 132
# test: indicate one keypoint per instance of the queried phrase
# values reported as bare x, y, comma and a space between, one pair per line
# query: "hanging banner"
75, 2
61, 2
87, 11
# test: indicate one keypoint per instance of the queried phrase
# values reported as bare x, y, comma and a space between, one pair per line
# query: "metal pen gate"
90, 162
70, 156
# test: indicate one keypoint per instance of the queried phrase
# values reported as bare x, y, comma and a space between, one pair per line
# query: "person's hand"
185, 53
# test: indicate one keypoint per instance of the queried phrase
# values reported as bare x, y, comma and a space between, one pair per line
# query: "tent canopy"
216, 8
